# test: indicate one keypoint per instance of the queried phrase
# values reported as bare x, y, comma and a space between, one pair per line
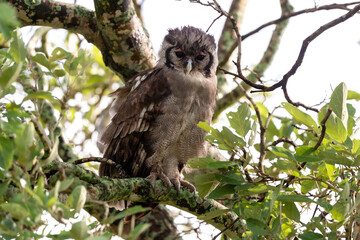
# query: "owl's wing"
127, 139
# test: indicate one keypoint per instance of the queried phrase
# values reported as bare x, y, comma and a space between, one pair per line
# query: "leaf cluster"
309, 185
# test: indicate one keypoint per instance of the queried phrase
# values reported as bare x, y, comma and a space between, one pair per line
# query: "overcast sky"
331, 58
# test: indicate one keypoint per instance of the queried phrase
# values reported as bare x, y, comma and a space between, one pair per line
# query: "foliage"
305, 190
39, 93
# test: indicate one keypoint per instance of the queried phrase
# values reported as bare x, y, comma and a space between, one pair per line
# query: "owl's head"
190, 50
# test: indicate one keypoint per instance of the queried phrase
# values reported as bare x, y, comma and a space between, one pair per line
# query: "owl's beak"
189, 66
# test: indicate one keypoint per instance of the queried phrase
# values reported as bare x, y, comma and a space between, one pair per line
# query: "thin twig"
283, 82
94, 159
41, 132
323, 128
282, 139
207, 30
285, 17
228, 227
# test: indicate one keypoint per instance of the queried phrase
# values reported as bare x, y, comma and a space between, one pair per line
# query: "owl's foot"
159, 175
177, 182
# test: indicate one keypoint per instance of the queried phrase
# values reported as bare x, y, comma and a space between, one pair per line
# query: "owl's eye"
179, 53
200, 57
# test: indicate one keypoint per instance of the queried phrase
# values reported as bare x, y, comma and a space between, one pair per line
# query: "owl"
153, 131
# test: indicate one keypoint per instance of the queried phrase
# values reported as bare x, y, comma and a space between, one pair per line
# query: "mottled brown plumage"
153, 130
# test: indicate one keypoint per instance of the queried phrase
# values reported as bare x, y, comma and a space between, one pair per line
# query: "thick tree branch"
139, 190
59, 15
115, 29
128, 48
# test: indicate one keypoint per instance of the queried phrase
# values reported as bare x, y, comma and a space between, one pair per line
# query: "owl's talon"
176, 184
159, 175
188, 185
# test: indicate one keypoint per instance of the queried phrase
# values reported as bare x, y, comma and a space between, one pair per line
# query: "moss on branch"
139, 190
129, 49
115, 29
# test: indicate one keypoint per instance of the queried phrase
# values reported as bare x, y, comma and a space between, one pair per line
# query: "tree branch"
228, 38
71, 17
128, 48
283, 82
290, 15
234, 95
139, 190
115, 29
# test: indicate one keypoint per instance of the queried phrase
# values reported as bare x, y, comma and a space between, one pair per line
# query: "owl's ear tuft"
170, 39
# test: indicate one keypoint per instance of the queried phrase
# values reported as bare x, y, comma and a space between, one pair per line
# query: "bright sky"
332, 58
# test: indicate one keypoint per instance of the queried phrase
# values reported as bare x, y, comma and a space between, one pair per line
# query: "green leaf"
219, 164
16, 210
77, 198
356, 147
252, 134
128, 212
311, 236
257, 189
336, 129
17, 48
205, 189
307, 186
288, 166
330, 169
291, 211
3, 188
213, 214
353, 95
300, 116
327, 206
40, 189
204, 178
275, 228
98, 238
40, 95
59, 72
307, 154
6, 152
232, 178
338, 102
59, 53
9, 90
205, 126
220, 191
200, 162
9, 75
256, 226
79, 230
41, 59
231, 140
138, 230
334, 157
282, 152
270, 201
294, 198
8, 20
240, 120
